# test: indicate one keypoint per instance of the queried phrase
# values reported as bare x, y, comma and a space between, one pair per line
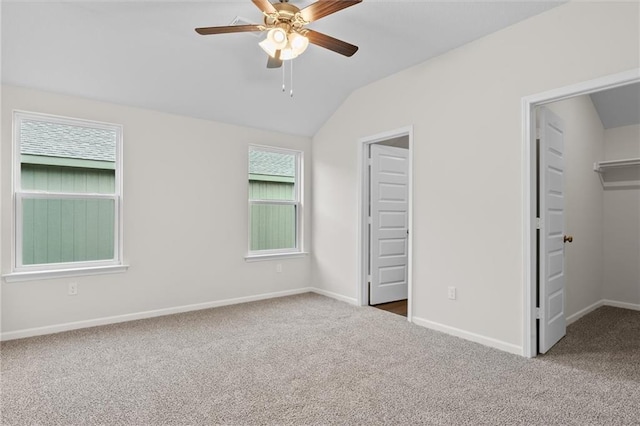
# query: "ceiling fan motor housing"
287, 17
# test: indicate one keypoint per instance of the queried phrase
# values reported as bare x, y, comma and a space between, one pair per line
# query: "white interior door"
389, 219
552, 321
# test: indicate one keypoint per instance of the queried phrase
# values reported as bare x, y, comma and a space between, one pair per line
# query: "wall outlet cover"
451, 293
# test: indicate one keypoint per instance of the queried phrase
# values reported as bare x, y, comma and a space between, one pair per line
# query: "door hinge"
369, 278
369, 221
538, 313
538, 223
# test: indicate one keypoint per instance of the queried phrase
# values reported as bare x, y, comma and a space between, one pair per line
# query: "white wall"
584, 145
622, 223
185, 218
465, 107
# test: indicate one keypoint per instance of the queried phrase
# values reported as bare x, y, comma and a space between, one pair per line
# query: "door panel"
552, 325
392, 275
392, 220
393, 247
392, 192
389, 196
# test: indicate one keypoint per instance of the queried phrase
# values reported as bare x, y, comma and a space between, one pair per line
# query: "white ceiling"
619, 106
147, 53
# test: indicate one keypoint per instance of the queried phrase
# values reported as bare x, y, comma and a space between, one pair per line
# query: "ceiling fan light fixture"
277, 37
288, 53
268, 47
294, 44
298, 43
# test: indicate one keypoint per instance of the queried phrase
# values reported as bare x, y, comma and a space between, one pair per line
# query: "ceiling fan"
287, 35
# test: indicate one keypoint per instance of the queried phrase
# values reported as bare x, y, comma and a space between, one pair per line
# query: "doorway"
543, 310
385, 218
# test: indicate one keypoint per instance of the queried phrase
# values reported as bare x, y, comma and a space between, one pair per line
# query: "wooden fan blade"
328, 42
265, 6
322, 8
229, 29
274, 62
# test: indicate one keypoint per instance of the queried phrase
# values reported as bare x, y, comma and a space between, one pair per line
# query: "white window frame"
297, 203
22, 272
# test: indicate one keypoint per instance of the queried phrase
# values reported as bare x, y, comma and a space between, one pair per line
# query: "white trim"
349, 300
623, 305
50, 329
61, 273
363, 196
582, 312
44, 195
72, 121
467, 335
529, 340
273, 256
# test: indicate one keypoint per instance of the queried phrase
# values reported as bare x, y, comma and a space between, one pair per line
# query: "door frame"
529, 198
362, 289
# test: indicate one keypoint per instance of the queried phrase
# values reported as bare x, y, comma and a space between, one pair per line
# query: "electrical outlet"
73, 289
279, 267
452, 293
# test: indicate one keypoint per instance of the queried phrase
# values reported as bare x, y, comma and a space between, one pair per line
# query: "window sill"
61, 273
273, 256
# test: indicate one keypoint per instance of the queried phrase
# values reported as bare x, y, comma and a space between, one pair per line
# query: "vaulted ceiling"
147, 54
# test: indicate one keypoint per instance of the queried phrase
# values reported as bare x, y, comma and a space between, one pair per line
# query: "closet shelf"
603, 166
624, 173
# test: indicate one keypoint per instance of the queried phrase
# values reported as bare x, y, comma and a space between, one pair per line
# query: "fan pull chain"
291, 76
284, 65
284, 72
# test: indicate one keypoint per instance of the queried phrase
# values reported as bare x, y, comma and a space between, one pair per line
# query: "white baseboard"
624, 305
350, 300
467, 335
487, 341
603, 302
582, 312
57, 328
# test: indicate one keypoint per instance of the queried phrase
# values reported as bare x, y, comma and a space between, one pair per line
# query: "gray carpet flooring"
606, 342
307, 360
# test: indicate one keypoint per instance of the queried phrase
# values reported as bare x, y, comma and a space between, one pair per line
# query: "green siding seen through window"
56, 231
260, 190
67, 179
273, 227
76, 230
273, 200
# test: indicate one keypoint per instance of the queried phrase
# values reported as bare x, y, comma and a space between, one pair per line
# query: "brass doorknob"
568, 239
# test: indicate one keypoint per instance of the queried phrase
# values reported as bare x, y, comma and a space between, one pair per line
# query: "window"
274, 201
67, 187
